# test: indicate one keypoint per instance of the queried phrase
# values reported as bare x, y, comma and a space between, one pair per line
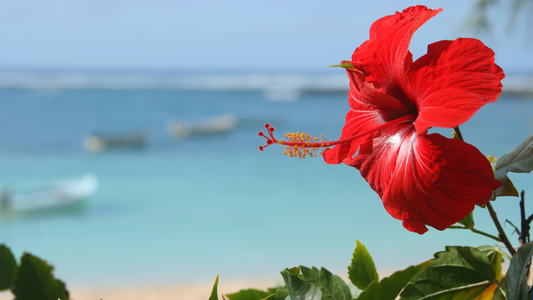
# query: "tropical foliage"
422, 179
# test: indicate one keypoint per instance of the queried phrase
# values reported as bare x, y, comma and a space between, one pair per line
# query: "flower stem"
497, 239
501, 232
458, 132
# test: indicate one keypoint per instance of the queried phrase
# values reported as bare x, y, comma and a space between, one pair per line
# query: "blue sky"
212, 35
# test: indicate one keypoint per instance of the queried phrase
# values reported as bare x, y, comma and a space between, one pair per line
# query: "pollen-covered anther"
301, 144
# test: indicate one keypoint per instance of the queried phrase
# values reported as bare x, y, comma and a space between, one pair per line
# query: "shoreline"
284, 83
197, 290
192, 290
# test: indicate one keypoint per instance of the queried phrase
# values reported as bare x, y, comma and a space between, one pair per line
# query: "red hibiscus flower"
422, 179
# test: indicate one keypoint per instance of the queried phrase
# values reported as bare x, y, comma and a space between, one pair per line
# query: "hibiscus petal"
355, 122
365, 96
436, 181
452, 81
426, 179
369, 108
378, 162
385, 56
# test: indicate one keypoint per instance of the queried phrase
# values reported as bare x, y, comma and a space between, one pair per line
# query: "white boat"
55, 194
216, 124
97, 142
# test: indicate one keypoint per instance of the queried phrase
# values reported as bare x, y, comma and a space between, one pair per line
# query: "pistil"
302, 144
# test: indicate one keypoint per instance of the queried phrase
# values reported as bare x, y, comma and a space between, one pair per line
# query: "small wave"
286, 86
274, 85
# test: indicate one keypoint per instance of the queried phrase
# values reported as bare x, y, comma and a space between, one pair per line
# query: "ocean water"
191, 209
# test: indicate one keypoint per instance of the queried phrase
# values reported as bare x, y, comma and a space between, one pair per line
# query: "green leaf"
495, 256
294, 271
458, 271
344, 65
516, 277
482, 292
519, 160
214, 292
362, 271
468, 221
332, 286
500, 294
278, 294
249, 294
35, 281
300, 289
8, 268
389, 287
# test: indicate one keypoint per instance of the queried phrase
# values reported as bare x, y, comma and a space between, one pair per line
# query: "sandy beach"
181, 291
194, 290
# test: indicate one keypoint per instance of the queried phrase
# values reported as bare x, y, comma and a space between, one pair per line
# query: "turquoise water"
190, 209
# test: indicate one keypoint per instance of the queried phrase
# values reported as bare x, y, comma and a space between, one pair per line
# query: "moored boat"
216, 124
97, 142
54, 194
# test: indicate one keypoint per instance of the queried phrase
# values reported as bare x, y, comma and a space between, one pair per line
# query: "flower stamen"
301, 144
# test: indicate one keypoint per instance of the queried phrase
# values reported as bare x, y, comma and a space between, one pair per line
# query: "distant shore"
277, 83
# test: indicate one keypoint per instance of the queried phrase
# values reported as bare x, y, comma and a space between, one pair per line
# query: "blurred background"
128, 135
